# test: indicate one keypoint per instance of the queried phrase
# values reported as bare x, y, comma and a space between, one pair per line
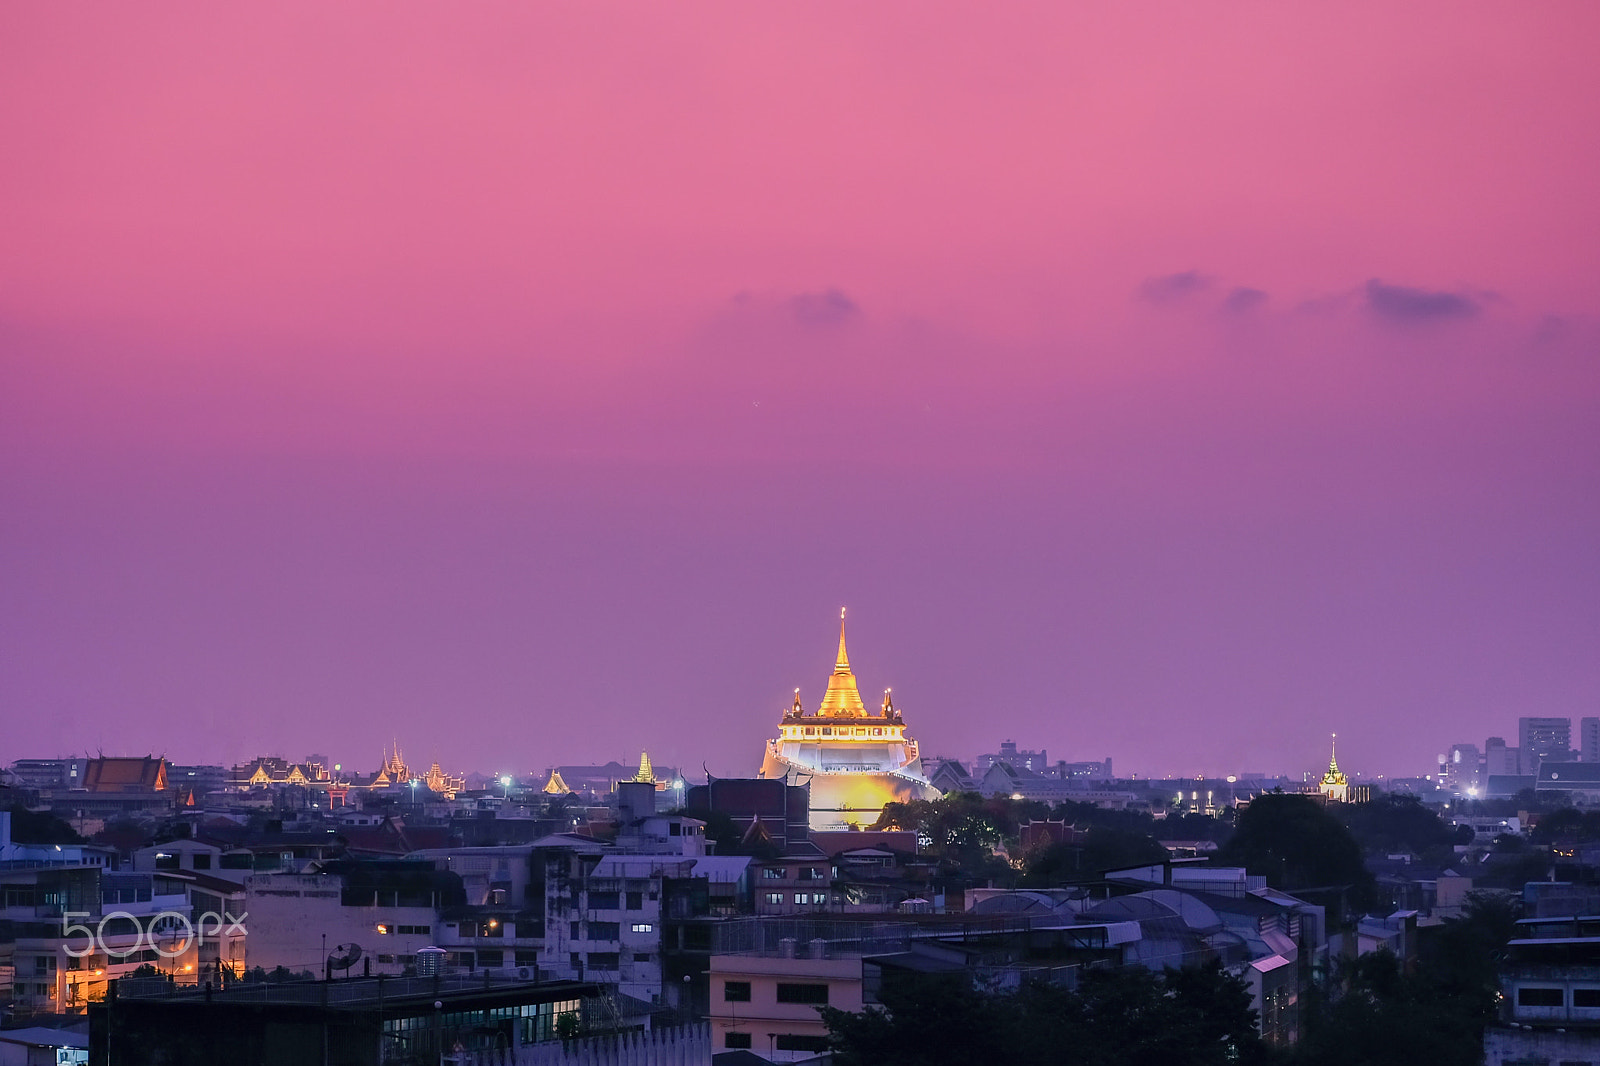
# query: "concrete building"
1550, 983
50, 775
1037, 761
1589, 739
769, 1003
362, 1022
390, 909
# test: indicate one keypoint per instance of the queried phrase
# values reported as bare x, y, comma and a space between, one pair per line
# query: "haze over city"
534, 384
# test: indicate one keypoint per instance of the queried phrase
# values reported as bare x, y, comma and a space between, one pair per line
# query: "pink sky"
534, 382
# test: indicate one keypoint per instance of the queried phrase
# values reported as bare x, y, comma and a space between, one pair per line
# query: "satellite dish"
345, 956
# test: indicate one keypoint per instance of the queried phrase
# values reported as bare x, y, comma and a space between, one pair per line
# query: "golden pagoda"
1334, 784
646, 775
555, 786
853, 759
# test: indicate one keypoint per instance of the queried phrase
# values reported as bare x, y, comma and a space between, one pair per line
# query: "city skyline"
535, 380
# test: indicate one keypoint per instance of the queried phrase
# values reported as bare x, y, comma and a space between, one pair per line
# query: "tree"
1103, 849
1394, 822
1296, 844
40, 827
1123, 1017
1384, 1017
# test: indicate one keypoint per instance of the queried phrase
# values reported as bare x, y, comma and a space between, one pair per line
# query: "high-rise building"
1589, 739
1544, 738
854, 760
1499, 760
1460, 772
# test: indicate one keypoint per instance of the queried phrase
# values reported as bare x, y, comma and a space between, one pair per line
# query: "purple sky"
534, 385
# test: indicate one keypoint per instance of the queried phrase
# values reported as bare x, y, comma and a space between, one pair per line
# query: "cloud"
1243, 299
1400, 303
829, 307
1170, 288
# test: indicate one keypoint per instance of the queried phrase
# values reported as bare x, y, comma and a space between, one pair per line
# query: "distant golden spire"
1333, 779
645, 774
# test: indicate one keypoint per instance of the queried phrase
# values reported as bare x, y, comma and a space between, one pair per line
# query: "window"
604, 930
572, 931
1586, 997
202, 860
810, 873
635, 901
494, 957
813, 994
736, 1040
604, 960
774, 898
643, 927
674, 829
166, 861
736, 991
802, 898
1541, 997
604, 901
795, 1042
412, 930
527, 958
385, 958
773, 873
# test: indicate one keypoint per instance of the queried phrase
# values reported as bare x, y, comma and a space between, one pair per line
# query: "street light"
505, 783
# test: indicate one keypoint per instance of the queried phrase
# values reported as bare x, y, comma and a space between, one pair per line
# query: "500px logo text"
151, 932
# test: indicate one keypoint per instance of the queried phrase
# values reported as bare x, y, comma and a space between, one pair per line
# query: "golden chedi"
853, 759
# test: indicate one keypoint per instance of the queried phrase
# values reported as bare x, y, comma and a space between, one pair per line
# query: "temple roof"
843, 699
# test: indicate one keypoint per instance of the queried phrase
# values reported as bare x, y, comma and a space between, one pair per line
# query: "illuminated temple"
855, 760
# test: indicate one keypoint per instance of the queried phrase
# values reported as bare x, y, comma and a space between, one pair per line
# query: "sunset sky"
533, 382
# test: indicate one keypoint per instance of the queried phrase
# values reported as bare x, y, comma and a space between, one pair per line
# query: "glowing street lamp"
505, 783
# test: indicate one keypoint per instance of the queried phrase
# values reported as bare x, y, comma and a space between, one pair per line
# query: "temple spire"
1333, 756
842, 700
646, 772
